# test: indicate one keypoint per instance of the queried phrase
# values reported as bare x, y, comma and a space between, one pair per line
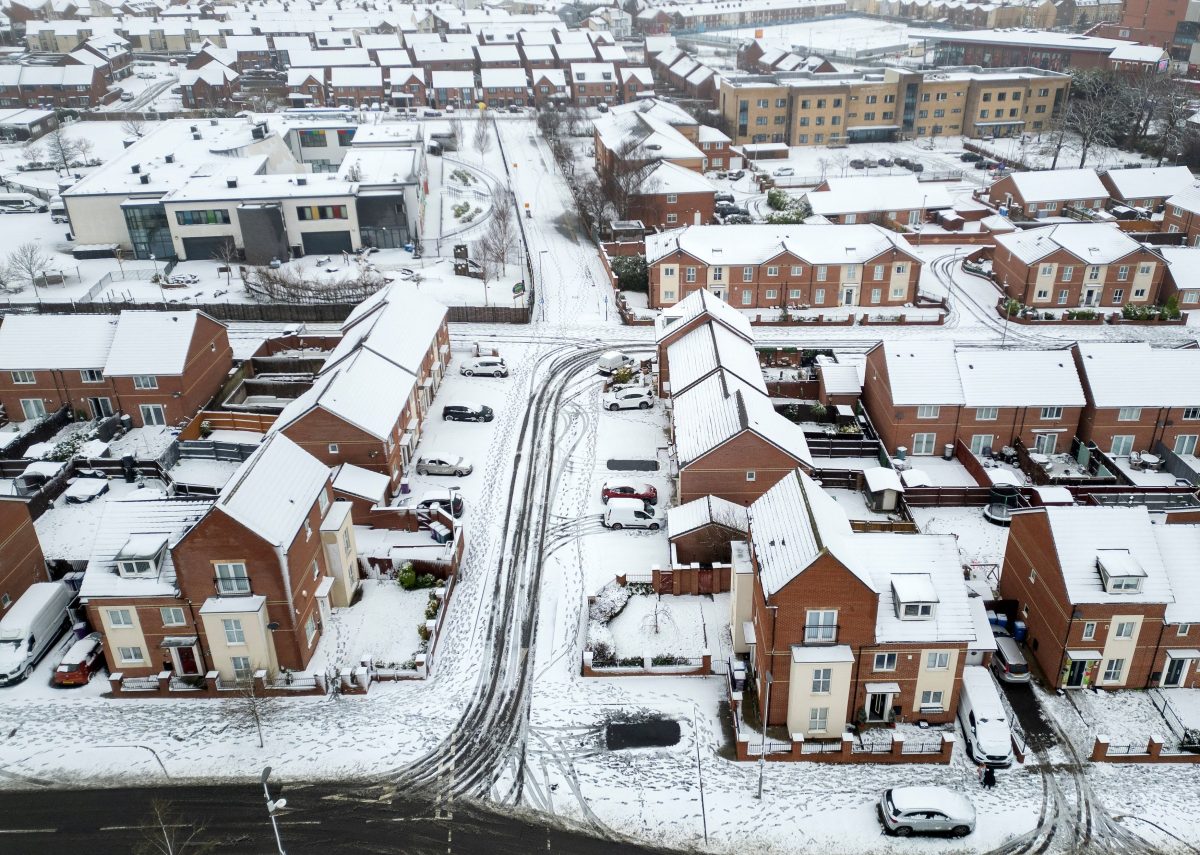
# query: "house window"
1125, 629
794, 294
5, 601
876, 295
885, 662
668, 271
1183, 628
747, 298
1051, 413
718, 274
877, 272
1063, 296
819, 296
928, 411
232, 578
818, 719
820, 626
323, 502
152, 414
1032, 576
1113, 669
120, 618
233, 631
987, 414
145, 381
980, 441
1129, 414
937, 661
130, 655
1089, 631
822, 681
797, 270
1191, 413
90, 375
241, 667
772, 271
139, 567
918, 610
23, 378
689, 274
1118, 296
931, 700
771, 294
822, 272
172, 616
333, 448
1122, 444
747, 274
672, 218
751, 475
310, 629
1122, 272
1093, 272
672, 198
1068, 270
923, 443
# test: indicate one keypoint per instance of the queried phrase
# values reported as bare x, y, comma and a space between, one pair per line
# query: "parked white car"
490, 366
436, 463
629, 398
630, 513
785, 172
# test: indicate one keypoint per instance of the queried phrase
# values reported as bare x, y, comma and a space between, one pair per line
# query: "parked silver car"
1008, 662
435, 463
926, 810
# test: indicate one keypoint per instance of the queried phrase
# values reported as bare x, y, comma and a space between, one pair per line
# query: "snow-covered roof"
363, 483
707, 510
878, 194
356, 77
1091, 243
1159, 182
1179, 545
1082, 534
1019, 378
1137, 53
922, 372
503, 78
274, 490
213, 73
140, 514
442, 52
552, 76
329, 58
881, 478
701, 302
1133, 374
498, 53
709, 348
840, 378
591, 72
299, 76
1183, 263
40, 342
398, 323
667, 177
641, 75
1187, 200
363, 389
151, 343
721, 407
1056, 185
757, 243
656, 109
453, 80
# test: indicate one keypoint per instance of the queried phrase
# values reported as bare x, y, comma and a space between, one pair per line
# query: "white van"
30, 628
983, 719
613, 360
630, 513
21, 203
58, 210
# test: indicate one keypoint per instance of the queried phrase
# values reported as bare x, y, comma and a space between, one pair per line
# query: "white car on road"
629, 398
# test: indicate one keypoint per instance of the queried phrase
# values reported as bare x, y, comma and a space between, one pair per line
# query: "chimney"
146, 178
196, 135
302, 181
170, 158
136, 168
231, 183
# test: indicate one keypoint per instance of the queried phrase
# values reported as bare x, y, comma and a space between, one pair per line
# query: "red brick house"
368, 404
550, 88
53, 87
504, 87
593, 83
352, 86
671, 196
1146, 188
635, 81
1182, 279
307, 87
407, 86
699, 309
21, 561
842, 627
767, 266
1139, 397
1182, 215
923, 395
159, 367
209, 87
1107, 597
1049, 193
1077, 264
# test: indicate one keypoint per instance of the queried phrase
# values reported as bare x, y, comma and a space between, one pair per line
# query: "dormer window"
141, 556
1120, 571
915, 596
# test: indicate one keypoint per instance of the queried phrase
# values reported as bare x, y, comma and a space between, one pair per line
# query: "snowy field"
978, 540
841, 37
381, 628
685, 626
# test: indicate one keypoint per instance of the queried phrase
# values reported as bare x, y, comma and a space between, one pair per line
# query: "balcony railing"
818, 635
232, 586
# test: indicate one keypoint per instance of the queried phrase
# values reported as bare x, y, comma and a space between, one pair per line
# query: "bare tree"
253, 708
168, 832
549, 122
456, 131
1092, 121
61, 149
227, 253
589, 200
32, 154
483, 136
28, 262
842, 162
1174, 130
658, 617
500, 239
86, 149
134, 127
623, 176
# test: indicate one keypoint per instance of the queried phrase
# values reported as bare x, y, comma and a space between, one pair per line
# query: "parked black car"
465, 412
885, 162
858, 164
916, 167
969, 157
901, 161
737, 176
726, 198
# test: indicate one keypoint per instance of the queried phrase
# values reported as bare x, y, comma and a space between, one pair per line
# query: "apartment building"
925, 395
1055, 51
1139, 397
806, 108
1107, 596
710, 15
766, 266
843, 627
53, 87
1077, 264
160, 368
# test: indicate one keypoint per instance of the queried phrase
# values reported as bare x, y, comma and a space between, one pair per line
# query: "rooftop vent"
302, 181
170, 158
231, 183
196, 135
146, 178
212, 122
135, 168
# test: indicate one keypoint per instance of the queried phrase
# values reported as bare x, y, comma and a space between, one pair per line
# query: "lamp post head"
266, 773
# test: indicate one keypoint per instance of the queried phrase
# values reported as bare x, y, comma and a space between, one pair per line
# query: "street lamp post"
272, 807
766, 713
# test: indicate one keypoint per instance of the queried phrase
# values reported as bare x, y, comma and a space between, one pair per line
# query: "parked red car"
620, 489
80, 662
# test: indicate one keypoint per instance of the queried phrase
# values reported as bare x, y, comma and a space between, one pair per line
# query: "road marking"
300, 822
136, 827
29, 830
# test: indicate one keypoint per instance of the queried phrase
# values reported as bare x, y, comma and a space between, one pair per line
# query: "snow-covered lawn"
1125, 716
202, 472
144, 443
844, 36
686, 626
942, 473
1187, 704
854, 504
66, 531
381, 628
978, 540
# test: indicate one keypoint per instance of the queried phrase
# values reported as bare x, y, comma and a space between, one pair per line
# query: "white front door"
849, 295
1045, 442
718, 292
1122, 445
1091, 296
1185, 444
152, 414
33, 408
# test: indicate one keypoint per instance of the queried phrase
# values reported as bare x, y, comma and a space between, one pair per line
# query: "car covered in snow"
80, 662
622, 488
436, 463
905, 811
489, 366
467, 411
629, 398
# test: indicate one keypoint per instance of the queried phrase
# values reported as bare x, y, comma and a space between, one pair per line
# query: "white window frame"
937, 660
987, 414
924, 443
310, 629
1089, 631
1051, 414
818, 719
932, 699
120, 618
928, 411
145, 381
1124, 629
242, 669
1129, 414
153, 415
91, 375
333, 448
1122, 444
24, 377
817, 629
1109, 676
884, 662
235, 634
223, 582
822, 681
169, 615
130, 655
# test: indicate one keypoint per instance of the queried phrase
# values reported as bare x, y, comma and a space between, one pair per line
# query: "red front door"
187, 661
